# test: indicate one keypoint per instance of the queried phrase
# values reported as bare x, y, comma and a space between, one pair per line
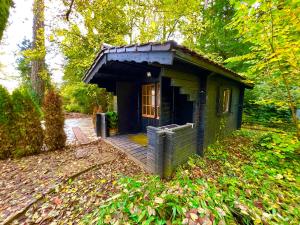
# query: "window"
150, 100
226, 100
157, 101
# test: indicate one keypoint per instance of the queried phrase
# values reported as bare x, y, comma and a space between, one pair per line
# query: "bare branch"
69, 10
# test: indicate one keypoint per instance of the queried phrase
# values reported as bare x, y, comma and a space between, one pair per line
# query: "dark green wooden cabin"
165, 83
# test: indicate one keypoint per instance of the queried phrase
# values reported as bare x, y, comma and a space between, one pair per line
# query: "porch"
137, 152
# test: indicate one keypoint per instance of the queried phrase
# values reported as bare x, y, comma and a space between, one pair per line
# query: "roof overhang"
159, 54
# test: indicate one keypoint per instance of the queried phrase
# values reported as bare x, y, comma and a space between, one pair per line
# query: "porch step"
80, 136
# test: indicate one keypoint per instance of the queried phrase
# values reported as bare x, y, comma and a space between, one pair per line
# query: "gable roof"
161, 53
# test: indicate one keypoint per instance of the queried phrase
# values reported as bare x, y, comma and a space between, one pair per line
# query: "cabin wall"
218, 125
179, 95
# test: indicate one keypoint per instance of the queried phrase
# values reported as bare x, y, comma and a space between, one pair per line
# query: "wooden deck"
135, 150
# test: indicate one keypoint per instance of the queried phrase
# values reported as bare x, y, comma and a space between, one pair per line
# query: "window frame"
226, 106
222, 110
147, 100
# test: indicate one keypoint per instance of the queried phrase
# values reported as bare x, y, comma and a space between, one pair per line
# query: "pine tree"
28, 133
6, 143
55, 137
4, 13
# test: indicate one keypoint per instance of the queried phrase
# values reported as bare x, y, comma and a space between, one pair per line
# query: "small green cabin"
158, 84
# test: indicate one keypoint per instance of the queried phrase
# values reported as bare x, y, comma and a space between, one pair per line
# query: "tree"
6, 118
23, 62
28, 133
55, 137
5, 5
38, 53
272, 28
102, 22
208, 32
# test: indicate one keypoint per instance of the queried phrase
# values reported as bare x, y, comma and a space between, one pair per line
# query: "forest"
249, 177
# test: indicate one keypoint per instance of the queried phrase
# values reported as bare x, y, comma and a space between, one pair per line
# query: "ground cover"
251, 177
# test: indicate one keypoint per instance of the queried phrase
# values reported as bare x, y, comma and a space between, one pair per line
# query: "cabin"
182, 100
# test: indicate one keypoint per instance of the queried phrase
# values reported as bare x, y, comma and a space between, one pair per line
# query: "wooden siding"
186, 81
219, 125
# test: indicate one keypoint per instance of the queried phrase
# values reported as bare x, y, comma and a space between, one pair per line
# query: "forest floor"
250, 177
50, 188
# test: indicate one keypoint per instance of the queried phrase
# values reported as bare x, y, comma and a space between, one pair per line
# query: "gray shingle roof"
169, 46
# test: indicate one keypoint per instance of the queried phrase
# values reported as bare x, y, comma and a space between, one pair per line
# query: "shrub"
266, 114
55, 137
28, 133
112, 118
5, 123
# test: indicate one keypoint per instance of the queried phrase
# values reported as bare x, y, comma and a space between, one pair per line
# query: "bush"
6, 142
112, 119
55, 137
266, 114
28, 133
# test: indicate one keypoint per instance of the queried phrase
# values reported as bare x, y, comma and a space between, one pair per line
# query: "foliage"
267, 114
55, 137
103, 21
80, 97
214, 39
6, 119
278, 146
39, 77
23, 62
28, 133
112, 120
234, 183
5, 5
272, 29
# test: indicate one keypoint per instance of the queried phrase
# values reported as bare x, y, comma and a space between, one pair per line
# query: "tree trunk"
38, 46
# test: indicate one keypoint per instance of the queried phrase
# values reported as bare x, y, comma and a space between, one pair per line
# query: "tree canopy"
5, 5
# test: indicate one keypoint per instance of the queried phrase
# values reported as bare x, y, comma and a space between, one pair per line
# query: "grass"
252, 177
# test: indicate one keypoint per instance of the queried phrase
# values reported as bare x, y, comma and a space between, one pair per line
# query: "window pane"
158, 100
149, 95
226, 100
153, 110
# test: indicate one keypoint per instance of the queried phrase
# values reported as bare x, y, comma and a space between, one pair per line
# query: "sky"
20, 27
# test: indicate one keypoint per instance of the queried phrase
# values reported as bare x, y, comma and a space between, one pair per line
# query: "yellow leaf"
158, 200
193, 216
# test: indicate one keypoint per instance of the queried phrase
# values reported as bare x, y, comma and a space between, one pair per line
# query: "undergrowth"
249, 178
